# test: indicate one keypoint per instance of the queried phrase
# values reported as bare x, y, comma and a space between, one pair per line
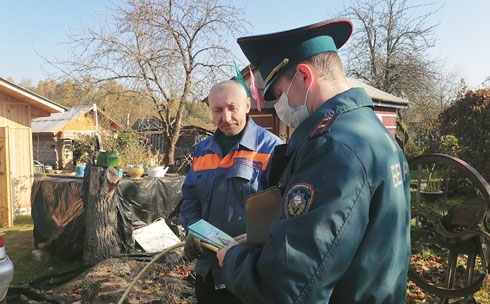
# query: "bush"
463, 130
131, 147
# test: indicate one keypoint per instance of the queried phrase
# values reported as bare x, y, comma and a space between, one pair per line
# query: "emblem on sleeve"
299, 199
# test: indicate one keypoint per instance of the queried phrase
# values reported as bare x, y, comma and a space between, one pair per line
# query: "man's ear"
248, 105
306, 74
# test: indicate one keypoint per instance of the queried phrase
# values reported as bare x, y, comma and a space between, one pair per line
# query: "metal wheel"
450, 226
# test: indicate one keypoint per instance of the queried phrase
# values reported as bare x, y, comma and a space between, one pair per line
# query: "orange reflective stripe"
214, 161
251, 155
206, 162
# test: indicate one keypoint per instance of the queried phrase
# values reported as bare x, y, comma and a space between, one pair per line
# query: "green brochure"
210, 234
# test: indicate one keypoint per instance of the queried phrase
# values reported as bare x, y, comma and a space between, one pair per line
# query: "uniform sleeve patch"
299, 199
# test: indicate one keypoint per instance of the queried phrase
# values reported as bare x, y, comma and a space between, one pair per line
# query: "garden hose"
156, 258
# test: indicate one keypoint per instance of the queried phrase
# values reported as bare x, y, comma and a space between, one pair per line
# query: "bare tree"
389, 46
447, 87
168, 50
389, 50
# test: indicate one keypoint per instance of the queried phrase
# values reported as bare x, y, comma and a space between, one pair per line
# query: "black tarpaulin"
59, 216
143, 201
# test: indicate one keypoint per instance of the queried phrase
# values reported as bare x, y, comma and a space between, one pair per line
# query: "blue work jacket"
216, 185
344, 234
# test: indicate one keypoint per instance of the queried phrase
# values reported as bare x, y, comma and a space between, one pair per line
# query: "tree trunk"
169, 151
101, 238
171, 154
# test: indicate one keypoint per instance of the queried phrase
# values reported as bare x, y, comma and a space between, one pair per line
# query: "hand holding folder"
262, 208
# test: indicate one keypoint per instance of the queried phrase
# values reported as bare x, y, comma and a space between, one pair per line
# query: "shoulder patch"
323, 125
299, 199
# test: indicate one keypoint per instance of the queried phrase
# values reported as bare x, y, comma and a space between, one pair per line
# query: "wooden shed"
18, 107
54, 136
385, 106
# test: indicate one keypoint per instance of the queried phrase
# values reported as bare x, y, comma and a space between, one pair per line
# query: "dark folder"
262, 208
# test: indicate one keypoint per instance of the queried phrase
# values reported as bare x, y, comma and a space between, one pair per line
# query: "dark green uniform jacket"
344, 235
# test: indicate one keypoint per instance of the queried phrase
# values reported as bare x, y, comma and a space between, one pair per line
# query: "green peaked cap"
273, 53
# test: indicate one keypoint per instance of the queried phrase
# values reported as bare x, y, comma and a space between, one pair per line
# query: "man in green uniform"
344, 232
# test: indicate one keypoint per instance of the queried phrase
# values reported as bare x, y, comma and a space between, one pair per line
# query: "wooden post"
101, 238
6, 217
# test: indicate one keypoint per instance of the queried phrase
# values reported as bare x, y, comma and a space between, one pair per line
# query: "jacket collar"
248, 140
346, 101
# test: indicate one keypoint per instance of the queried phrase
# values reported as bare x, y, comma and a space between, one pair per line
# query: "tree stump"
101, 238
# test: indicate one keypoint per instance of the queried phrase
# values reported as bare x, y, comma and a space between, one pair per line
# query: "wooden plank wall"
82, 123
16, 115
21, 167
6, 218
388, 117
13, 113
266, 119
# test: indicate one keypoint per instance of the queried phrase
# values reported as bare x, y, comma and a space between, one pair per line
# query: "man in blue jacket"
227, 167
344, 232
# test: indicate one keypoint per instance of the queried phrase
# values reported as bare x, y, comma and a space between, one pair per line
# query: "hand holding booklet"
262, 208
210, 234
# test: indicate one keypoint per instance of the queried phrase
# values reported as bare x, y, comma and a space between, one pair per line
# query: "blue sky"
30, 28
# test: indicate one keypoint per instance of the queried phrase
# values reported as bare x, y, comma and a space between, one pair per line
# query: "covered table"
59, 216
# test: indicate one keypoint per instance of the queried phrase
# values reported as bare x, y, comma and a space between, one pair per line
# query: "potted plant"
432, 191
83, 158
135, 171
133, 160
80, 169
155, 166
136, 157
133, 157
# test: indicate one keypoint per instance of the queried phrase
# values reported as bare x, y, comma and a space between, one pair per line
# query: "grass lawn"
19, 244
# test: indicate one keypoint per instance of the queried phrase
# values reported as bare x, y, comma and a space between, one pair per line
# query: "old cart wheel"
450, 226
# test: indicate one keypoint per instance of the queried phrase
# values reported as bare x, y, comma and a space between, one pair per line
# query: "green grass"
19, 244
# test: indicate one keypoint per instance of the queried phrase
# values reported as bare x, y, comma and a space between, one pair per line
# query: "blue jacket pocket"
243, 178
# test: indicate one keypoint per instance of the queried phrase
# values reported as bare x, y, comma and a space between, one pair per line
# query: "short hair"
221, 86
328, 64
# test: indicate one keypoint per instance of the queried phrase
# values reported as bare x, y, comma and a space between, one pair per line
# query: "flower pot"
432, 195
136, 172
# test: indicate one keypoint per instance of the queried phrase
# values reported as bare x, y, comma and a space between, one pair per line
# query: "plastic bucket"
80, 170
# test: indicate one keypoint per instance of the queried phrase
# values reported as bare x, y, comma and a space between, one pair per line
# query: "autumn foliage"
466, 125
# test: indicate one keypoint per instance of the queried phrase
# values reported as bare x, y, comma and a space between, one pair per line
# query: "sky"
33, 29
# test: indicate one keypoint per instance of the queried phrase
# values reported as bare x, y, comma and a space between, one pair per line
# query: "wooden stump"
101, 238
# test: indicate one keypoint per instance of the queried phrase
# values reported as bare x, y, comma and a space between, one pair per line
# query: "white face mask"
293, 117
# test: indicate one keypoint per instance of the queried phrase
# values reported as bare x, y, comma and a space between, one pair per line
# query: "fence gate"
6, 219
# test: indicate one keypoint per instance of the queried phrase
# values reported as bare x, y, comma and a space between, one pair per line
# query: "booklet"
210, 234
